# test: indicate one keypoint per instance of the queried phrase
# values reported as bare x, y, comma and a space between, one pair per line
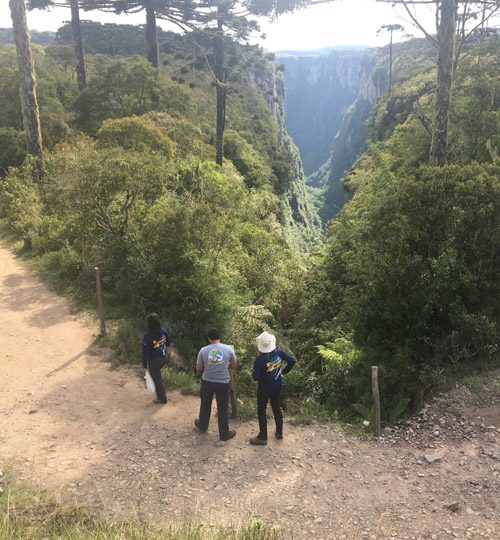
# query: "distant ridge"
324, 51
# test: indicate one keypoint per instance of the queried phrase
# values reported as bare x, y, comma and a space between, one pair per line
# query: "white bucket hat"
266, 342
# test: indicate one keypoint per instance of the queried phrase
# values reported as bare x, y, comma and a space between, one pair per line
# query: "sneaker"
257, 441
278, 435
159, 401
197, 424
229, 435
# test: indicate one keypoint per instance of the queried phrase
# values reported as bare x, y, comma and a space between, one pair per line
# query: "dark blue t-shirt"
268, 369
154, 346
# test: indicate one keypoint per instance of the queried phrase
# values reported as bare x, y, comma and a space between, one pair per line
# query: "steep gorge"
328, 100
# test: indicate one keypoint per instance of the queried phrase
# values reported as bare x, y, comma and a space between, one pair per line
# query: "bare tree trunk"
76, 29
220, 92
27, 83
390, 66
151, 33
446, 52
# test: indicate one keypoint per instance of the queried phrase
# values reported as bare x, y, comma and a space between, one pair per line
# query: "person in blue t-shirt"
268, 370
154, 353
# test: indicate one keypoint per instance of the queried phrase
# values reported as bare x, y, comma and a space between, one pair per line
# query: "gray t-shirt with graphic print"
215, 359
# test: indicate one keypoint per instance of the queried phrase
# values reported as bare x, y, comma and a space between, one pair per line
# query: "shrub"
12, 149
134, 133
412, 273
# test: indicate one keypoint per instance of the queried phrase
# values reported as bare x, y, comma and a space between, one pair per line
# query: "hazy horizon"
312, 28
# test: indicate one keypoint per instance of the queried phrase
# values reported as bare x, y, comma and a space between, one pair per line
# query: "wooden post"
376, 401
27, 243
99, 300
232, 396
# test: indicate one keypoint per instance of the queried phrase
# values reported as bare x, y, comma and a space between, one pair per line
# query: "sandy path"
73, 425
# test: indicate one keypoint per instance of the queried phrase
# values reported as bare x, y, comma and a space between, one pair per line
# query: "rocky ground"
86, 432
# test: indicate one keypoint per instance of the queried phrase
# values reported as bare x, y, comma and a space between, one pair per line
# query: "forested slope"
409, 277
131, 185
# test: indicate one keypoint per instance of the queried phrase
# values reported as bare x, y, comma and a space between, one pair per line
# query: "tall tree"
76, 30
391, 28
136, 6
220, 85
151, 33
453, 30
27, 83
224, 20
445, 62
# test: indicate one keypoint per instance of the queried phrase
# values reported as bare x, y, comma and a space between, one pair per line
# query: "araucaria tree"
391, 28
134, 6
225, 20
27, 83
456, 23
76, 31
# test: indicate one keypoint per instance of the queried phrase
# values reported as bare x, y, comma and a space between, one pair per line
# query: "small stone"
32, 411
454, 506
433, 458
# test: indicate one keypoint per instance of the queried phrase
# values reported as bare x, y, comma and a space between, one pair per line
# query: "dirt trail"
73, 425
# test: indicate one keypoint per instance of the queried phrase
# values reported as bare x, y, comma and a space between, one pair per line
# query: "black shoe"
278, 435
160, 401
257, 441
197, 424
229, 435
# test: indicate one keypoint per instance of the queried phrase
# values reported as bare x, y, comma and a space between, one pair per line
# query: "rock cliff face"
302, 223
328, 100
271, 86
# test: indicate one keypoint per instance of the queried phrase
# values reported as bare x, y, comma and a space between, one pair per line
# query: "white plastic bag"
150, 384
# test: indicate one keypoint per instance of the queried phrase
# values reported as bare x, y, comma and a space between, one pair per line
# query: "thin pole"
232, 396
99, 300
376, 401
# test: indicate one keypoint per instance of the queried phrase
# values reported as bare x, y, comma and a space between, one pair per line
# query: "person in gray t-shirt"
214, 362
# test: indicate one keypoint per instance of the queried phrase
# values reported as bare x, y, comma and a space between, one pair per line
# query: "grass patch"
306, 411
29, 515
188, 384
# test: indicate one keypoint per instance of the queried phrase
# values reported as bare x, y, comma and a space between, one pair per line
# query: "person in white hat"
268, 370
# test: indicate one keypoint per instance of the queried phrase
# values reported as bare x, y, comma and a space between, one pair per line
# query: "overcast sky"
342, 22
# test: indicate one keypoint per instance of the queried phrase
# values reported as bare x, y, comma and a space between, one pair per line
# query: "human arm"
199, 363
145, 352
256, 370
290, 361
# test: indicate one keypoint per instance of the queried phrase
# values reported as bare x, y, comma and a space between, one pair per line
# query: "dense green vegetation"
131, 186
407, 277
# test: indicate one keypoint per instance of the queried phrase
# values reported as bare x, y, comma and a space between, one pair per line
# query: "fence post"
232, 396
99, 301
376, 401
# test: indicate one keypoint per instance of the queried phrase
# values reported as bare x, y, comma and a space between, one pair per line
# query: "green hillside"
131, 186
408, 279
406, 276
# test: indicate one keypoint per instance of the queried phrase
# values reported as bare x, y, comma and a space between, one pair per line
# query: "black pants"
154, 367
207, 391
262, 398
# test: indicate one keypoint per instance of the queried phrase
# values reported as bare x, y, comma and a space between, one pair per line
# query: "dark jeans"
154, 366
207, 391
262, 398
